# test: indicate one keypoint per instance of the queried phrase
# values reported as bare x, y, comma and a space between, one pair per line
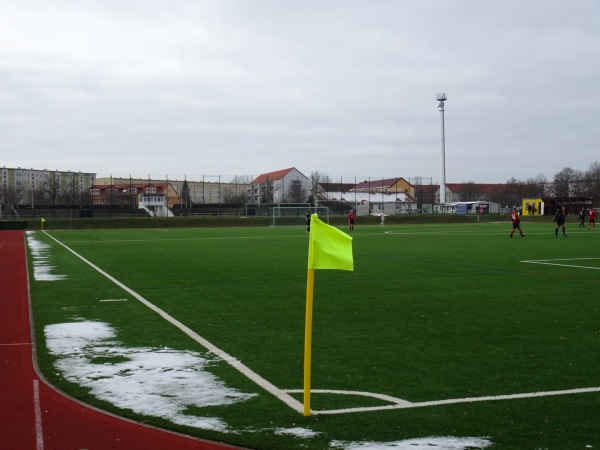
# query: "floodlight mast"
441, 98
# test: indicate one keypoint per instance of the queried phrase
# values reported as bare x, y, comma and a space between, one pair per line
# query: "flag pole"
310, 282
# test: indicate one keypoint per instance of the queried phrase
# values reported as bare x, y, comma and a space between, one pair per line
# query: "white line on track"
39, 434
235, 363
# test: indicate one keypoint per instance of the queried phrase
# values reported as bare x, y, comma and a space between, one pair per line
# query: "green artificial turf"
430, 313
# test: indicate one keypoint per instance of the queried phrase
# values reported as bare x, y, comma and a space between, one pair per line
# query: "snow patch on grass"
428, 443
42, 270
297, 431
153, 382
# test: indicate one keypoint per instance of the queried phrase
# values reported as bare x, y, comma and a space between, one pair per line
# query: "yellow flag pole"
310, 283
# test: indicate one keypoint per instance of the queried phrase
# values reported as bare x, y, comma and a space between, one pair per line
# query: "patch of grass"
431, 312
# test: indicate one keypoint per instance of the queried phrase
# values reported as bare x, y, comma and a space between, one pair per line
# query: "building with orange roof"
281, 186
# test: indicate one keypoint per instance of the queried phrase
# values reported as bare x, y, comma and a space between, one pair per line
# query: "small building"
155, 205
131, 194
281, 186
572, 204
387, 186
367, 203
474, 207
532, 207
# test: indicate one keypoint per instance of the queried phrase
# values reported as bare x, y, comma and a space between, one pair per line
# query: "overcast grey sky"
343, 87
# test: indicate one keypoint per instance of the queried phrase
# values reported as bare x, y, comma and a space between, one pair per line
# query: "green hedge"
253, 221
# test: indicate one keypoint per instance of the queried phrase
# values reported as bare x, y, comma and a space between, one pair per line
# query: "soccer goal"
296, 215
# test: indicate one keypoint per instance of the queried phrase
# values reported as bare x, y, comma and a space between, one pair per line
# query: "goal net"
296, 215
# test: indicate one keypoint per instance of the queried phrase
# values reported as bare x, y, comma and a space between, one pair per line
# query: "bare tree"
40, 197
566, 182
296, 193
471, 192
317, 178
542, 185
231, 196
241, 179
12, 196
512, 192
591, 180
52, 188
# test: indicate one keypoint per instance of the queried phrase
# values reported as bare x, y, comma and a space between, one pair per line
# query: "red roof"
378, 183
272, 176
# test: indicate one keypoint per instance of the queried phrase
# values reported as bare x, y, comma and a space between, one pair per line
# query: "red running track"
33, 415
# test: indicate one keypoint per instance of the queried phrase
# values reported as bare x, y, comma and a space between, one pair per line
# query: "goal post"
296, 215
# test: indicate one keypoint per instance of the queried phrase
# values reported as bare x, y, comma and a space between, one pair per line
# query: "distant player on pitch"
351, 218
560, 219
516, 221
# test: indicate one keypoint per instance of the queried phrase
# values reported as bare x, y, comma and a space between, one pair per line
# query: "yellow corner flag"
43, 220
328, 248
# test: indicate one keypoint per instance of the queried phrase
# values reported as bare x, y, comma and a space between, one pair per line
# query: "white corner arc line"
397, 403
37, 408
551, 262
235, 363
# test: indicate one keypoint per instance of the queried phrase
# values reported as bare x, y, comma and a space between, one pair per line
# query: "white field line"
403, 404
37, 407
551, 262
216, 238
266, 385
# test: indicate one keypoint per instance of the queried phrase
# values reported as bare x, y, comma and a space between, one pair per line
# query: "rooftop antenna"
441, 98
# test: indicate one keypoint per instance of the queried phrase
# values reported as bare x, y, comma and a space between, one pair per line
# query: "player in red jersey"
516, 221
351, 218
592, 217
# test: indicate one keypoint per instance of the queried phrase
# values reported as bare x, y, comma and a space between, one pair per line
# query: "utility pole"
441, 98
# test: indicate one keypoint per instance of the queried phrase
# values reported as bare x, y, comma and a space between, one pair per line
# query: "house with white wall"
281, 186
